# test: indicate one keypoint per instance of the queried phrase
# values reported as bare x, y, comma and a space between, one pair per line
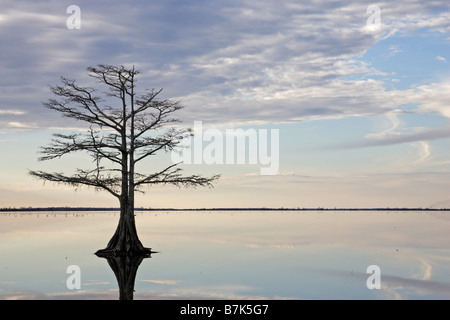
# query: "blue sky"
363, 113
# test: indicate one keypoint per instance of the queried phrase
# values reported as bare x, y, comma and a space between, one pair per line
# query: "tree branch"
65, 144
80, 179
126, 139
174, 177
82, 98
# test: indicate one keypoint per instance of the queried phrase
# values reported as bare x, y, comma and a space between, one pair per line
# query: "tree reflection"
125, 268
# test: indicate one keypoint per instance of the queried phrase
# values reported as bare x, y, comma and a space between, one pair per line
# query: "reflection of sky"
239, 255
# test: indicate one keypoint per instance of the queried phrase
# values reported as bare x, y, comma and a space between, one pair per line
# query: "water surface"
232, 255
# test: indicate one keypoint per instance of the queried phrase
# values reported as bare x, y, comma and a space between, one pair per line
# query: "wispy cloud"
11, 112
424, 152
398, 138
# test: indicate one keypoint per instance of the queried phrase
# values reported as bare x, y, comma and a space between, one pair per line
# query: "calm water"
232, 255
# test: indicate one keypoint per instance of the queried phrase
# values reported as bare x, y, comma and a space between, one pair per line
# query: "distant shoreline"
216, 209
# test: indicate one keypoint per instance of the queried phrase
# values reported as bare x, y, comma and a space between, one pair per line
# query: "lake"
231, 255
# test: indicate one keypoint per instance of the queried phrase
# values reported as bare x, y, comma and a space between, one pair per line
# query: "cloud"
279, 173
427, 99
21, 125
439, 58
394, 122
424, 152
11, 112
237, 61
398, 138
394, 50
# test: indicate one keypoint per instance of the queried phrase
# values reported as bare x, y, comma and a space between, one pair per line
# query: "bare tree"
121, 137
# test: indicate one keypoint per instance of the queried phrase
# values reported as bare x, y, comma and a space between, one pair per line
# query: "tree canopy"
118, 138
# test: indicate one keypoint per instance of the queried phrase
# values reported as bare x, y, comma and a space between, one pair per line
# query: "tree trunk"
125, 240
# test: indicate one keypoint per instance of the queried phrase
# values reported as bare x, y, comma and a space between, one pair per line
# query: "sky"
357, 93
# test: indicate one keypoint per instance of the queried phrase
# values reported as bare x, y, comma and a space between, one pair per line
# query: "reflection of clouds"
427, 269
73, 295
162, 281
95, 283
24, 296
420, 287
222, 292
420, 284
397, 287
440, 215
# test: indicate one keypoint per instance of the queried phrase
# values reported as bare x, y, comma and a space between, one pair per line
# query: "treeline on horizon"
29, 209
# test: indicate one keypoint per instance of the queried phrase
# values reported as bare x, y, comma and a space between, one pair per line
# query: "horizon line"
38, 209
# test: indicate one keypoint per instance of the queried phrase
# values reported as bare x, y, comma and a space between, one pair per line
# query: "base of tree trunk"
119, 246
118, 253
125, 241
